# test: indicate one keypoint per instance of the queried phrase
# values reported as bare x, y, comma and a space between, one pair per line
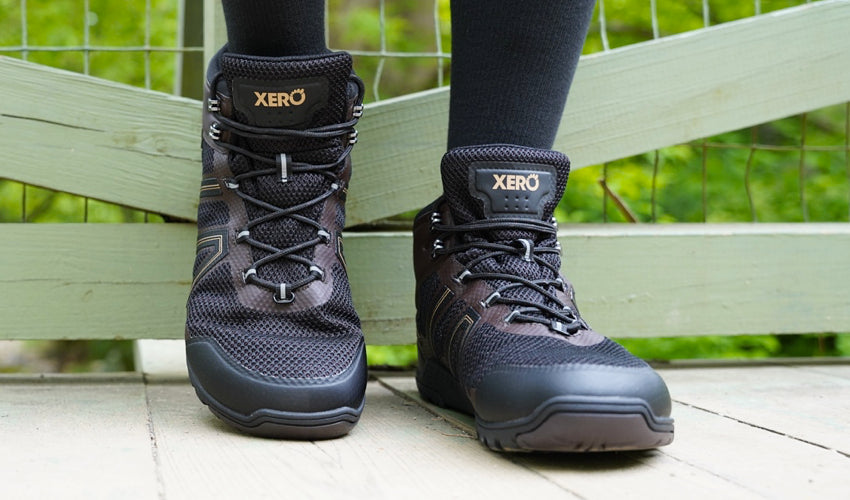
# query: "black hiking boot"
273, 344
499, 333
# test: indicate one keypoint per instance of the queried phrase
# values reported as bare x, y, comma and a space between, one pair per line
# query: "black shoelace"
284, 168
550, 310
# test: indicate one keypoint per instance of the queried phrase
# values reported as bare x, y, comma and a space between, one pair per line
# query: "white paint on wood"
161, 359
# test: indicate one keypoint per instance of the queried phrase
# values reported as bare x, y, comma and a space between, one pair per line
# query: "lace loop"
477, 245
282, 166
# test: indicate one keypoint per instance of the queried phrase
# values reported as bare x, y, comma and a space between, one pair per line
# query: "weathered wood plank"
139, 148
98, 138
131, 281
95, 281
770, 398
711, 457
396, 447
656, 281
161, 359
762, 462
73, 437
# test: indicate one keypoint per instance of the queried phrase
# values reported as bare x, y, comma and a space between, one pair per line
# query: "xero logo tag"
513, 182
280, 99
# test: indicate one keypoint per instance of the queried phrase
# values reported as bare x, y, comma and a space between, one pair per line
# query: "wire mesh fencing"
795, 169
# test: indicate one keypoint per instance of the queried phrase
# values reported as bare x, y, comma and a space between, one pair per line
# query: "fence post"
189, 66
215, 34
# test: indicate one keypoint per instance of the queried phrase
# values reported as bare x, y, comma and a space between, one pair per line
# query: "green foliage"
740, 347
401, 356
787, 185
409, 27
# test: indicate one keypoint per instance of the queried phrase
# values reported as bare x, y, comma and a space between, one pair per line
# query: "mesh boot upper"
471, 351
277, 340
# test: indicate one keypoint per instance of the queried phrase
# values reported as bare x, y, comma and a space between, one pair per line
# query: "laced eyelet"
231, 184
283, 295
460, 277
358, 111
325, 236
242, 235
561, 284
214, 132
527, 249
438, 245
316, 270
213, 105
352, 138
489, 300
436, 218
246, 275
510, 317
566, 328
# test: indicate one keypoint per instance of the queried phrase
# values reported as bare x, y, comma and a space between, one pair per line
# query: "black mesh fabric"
211, 214
282, 233
487, 348
316, 343
444, 324
206, 158
201, 257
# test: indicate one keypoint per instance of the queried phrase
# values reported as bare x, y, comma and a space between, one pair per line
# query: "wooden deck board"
122, 437
604, 475
809, 405
733, 454
397, 447
75, 437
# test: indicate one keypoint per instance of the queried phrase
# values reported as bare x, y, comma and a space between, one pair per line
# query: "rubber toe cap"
514, 392
236, 389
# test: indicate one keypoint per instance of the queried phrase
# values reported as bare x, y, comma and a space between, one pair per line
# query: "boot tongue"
493, 182
288, 92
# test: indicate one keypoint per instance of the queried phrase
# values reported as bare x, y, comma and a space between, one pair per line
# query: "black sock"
512, 65
275, 27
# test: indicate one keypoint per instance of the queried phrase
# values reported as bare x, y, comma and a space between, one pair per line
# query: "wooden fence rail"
141, 149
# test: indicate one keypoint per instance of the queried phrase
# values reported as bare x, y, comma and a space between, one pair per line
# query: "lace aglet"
284, 167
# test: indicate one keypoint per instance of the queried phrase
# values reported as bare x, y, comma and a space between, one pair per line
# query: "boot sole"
559, 424
266, 422
565, 425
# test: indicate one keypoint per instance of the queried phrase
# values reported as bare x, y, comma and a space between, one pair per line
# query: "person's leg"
498, 329
512, 65
273, 344
274, 27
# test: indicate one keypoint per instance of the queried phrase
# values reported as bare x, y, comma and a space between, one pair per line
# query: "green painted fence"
139, 148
